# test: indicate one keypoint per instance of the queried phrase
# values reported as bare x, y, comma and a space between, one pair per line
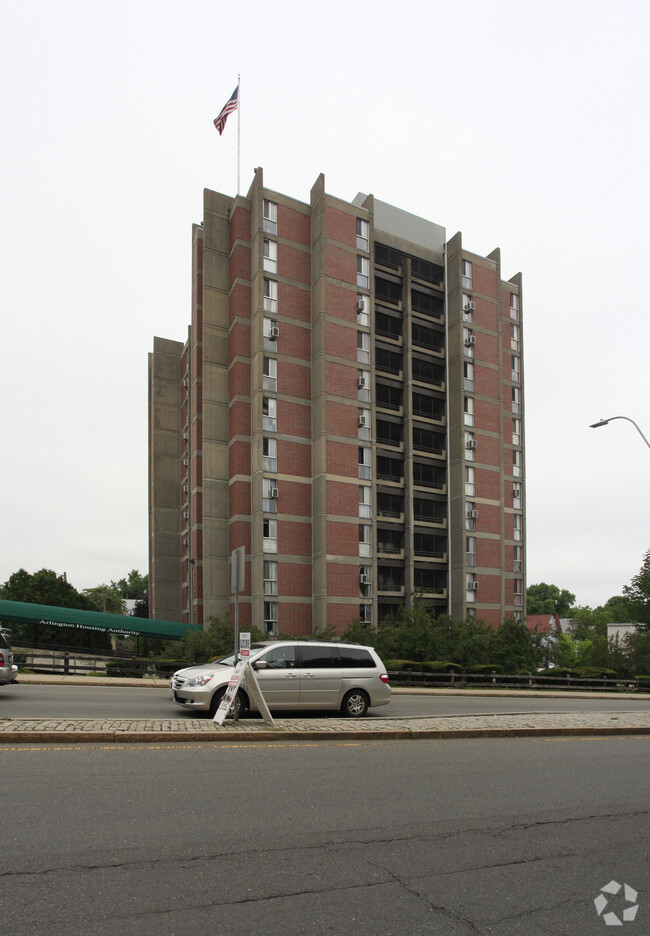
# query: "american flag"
229, 107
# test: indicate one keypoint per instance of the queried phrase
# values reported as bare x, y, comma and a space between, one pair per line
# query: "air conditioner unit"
469, 306
186, 382
274, 333
186, 435
364, 578
186, 462
274, 493
472, 514
186, 542
473, 586
363, 421
472, 444
185, 489
186, 515
363, 383
470, 340
361, 305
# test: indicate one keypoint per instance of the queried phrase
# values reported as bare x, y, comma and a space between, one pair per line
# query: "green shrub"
441, 666
486, 669
402, 666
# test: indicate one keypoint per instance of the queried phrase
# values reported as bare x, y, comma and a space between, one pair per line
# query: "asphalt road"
63, 701
511, 838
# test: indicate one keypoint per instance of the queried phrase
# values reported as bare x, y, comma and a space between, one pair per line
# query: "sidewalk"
375, 728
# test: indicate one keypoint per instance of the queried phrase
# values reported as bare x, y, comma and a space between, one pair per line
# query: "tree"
549, 599
134, 585
638, 592
105, 598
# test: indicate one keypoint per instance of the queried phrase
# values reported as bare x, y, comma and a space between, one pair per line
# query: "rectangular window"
516, 368
270, 374
518, 591
270, 295
270, 536
470, 551
271, 333
468, 308
516, 400
363, 310
270, 219
514, 337
363, 348
516, 496
271, 617
470, 481
516, 463
470, 446
270, 256
519, 559
517, 521
365, 501
364, 463
468, 409
363, 272
469, 340
363, 383
468, 375
471, 586
365, 613
514, 306
363, 234
364, 424
365, 581
270, 577
269, 495
269, 454
365, 540
516, 431
269, 414
470, 516
467, 274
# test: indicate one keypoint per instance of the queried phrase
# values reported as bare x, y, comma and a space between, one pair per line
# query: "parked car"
8, 670
292, 675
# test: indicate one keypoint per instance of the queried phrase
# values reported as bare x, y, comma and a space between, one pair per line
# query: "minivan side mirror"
262, 664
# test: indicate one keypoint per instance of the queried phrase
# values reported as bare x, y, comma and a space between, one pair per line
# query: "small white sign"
245, 644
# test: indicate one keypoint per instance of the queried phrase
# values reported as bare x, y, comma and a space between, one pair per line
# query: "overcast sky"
522, 124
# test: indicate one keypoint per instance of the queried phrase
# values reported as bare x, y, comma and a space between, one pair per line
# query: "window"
270, 374
363, 383
470, 480
365, 539
517, 527
271, 618
363, 272
469, 340
271, 333
365, 501
270, 577
468, 310
270, 536
363, 310
516, 463
514, 306
471, 586
270, 256
516, 431
269, 414
364, 463
364, 424
363, 234
470, 550
269, 495
516, 496
516, 400
516, 368
270, 217
468, 409
269, 454
363, 348
514, 337
270, 295
365, 581
518, 591
470, 446
470, 516
467, 274
519, 559
468, 374
365, 613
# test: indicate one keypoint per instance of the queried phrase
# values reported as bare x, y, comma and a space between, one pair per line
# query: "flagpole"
238, 135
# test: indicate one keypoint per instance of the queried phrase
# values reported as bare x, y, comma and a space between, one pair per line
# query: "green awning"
119, 624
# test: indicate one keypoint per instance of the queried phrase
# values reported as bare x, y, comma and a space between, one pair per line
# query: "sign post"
237, 580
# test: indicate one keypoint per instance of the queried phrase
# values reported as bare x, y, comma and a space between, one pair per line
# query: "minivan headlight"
202, 680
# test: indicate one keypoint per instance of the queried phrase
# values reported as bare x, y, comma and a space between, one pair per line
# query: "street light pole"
604, 422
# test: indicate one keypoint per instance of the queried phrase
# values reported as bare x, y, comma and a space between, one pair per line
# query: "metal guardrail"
527, 681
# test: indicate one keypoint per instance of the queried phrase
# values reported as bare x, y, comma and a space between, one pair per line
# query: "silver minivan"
292, 675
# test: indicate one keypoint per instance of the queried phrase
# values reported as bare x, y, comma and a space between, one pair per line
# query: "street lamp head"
602, 422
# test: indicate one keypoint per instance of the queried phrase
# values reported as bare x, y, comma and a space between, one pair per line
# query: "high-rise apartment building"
348, 406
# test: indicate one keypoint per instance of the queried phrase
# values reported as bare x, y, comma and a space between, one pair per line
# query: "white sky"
523, 124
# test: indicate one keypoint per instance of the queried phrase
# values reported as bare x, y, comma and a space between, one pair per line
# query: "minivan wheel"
355, 704
241, 703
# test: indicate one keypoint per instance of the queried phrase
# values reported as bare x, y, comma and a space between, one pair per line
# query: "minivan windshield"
230, 659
